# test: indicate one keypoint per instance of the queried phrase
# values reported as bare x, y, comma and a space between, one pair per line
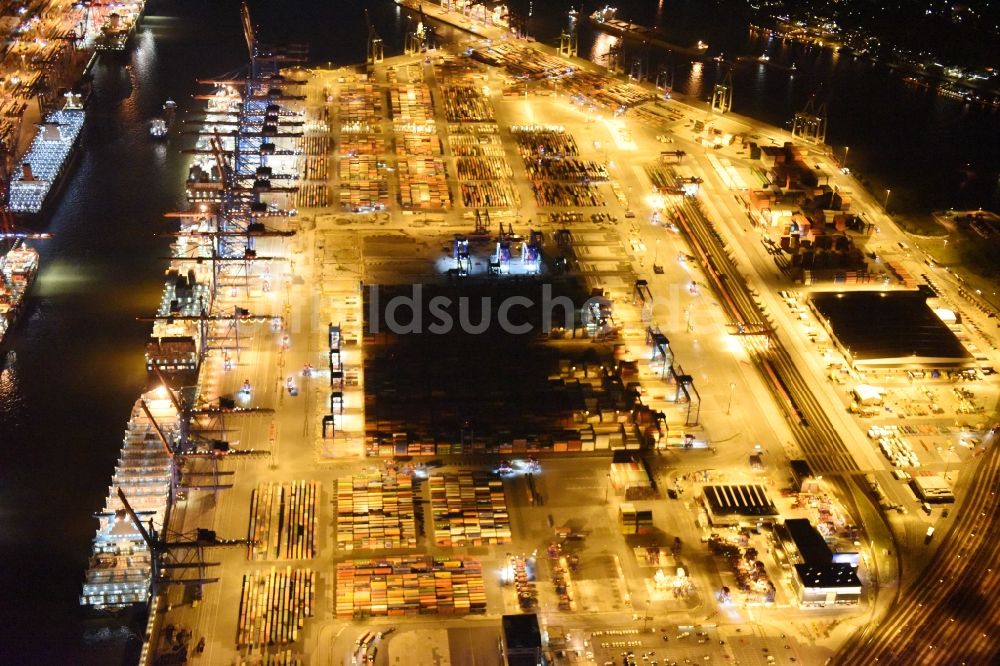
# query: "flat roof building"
802, 474
805, 542
932, 489
730, 505
889, 329
522, 640
827, 584
818, 580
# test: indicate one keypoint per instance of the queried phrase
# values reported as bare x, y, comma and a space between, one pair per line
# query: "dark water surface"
73, 369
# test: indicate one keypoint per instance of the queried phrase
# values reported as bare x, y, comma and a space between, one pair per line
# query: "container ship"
119, 25
40, 169
120, 571
18, 269
604, 19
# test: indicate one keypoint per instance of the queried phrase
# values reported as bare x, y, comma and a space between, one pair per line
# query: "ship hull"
17, 311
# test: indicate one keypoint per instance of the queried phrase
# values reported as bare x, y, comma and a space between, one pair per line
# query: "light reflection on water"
694, 82
10, 396
603, 43
61, 277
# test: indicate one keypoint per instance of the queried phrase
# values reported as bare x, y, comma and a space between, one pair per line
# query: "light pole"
732, 390
656, 254
947, 461
885, 204
844, 163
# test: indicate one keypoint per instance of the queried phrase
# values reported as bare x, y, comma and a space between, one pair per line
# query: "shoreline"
913, 224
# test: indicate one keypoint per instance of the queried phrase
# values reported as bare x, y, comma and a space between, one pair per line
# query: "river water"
71, 372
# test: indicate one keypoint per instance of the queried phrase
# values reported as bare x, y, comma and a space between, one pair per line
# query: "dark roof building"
818, 579
889, 329
522, 640
838, 578
801, 473
808, 543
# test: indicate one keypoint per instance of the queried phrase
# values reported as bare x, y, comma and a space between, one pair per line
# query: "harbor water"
73, 368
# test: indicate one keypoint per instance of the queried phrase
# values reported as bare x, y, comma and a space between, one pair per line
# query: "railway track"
951, 614
819, 440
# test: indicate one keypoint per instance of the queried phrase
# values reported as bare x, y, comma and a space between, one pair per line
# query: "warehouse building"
932, 489
889, 330
732, 505
818, 579
522, 640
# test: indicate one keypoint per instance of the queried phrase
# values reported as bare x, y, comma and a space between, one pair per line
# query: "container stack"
313, 190
524, 62
485, 177
475, 141
354, 144
283, 521
273, 606
469, 509
422, 145
409, 586
606, 90
375, 512
422, 173
557, 177
627, 519
363, 186
423, 183
411, 103
644, 521
464, 103
359, 108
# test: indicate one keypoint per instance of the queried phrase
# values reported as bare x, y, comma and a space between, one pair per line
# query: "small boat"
719, 58
158, 127
764, 58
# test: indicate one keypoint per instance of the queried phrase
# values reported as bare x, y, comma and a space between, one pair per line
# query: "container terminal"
687, 463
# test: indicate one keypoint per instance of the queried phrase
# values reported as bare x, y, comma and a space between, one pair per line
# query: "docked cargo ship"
604, 19
119, 25
18, 269
176, 346
121, 566
40, 169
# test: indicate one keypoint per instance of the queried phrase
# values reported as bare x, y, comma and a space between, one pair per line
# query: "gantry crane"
373, 46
